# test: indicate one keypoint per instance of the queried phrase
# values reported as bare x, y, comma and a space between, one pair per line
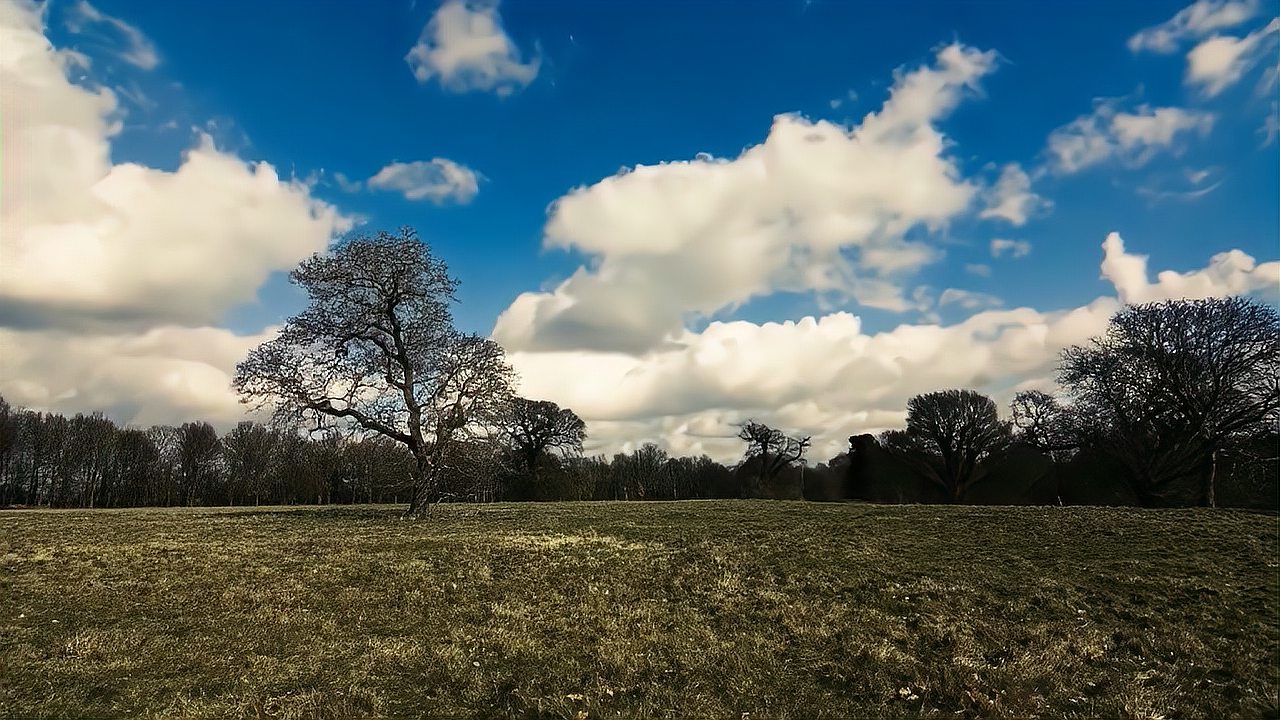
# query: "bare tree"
250, 451
533, 428
1044, 423
376, 349
1171, 385
772, 449
948, 433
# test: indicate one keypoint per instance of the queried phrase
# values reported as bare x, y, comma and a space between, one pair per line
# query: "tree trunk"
421, 496
1209, 492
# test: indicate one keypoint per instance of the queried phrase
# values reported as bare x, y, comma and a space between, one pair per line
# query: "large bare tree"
376, 350
1171, 385
772, 449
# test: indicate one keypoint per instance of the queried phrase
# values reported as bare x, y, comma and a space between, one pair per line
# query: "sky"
674, 216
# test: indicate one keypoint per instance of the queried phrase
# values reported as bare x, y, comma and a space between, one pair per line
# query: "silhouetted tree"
199, 462
376, 348
770, 450
948, 433
533, 428
250, 449
1173, 384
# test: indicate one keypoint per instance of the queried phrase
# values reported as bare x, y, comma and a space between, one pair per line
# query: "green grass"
694, 609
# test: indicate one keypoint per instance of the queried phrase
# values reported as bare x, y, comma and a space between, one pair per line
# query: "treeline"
87, 461
1177, 404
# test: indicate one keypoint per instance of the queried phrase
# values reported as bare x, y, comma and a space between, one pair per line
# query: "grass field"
696, 609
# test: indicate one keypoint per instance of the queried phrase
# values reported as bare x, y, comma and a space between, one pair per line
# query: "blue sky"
1172, 153
312, 87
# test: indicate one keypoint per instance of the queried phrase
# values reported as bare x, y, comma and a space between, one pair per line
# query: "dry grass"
707, 609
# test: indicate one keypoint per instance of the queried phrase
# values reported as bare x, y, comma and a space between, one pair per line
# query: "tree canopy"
376, 350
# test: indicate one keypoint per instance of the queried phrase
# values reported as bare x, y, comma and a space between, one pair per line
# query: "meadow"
743, 609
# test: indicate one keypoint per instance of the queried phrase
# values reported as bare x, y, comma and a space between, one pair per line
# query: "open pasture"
708, 609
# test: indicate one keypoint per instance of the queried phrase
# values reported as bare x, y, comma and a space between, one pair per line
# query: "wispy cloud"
137, 50
1133, 137
1197, 20
1013, 248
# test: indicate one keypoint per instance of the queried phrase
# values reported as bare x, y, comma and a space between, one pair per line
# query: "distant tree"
1041, 421
136, 461
1171, 385
250, 451
948, 433
770, 450
199, 462
10, 452
534, 428
639, 475
376, 348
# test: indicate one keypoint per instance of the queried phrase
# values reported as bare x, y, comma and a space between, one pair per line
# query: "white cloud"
968, 299
1194, 21
1228, 273
109, 269
346, 184
137, 51
978, 269
1133, 137
438, 180
816, 207
1270, 126
1012, 199
1219, 62
827, 377
1156, 194
466, 48
1195, 177
1014, 248
166, 374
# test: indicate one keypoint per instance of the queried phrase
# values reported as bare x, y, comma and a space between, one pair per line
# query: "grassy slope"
689, 609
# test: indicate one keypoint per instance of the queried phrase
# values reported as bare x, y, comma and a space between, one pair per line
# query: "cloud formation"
110, 270
465, 47
816, 207
1011, 199
1109, 133
438, 180
1013, 248
1197, 20
137, 50
1220, 62
828, 378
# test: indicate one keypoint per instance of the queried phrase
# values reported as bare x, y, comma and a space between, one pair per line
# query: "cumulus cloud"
111, 272
1011, 199
1228, 273
816, 207
1197, 20
829, 378
465, 47
1132, 137
1013, 248
1219, 62
137, 50
438, 180
164, 375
